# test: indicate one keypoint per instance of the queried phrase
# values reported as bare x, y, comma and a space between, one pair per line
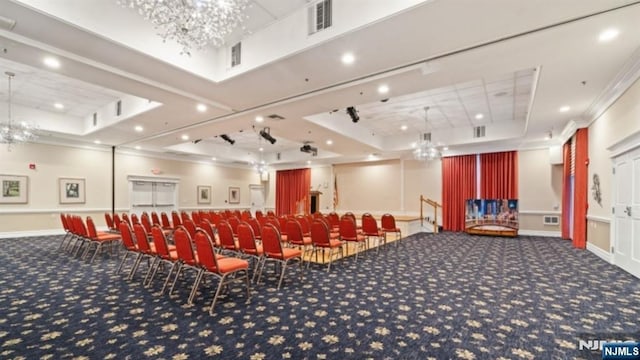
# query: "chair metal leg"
215, 297
284, 268
196, 284
175, 279
122, 262
150, 270
136, 264
166, 281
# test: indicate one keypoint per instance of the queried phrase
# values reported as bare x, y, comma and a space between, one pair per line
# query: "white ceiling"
514, 62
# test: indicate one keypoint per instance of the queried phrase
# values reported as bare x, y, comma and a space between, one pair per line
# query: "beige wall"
369, 186
422, 178
94, 165
539, 182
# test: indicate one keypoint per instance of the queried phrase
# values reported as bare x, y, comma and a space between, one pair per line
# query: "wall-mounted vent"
275, 117
278, 156
551, 220
479, 131
236, 54
119, 108
320, 15
95, 119
426, 137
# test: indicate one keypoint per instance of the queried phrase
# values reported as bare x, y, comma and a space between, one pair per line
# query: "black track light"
266, 134
226, 138
306, 148
353, 113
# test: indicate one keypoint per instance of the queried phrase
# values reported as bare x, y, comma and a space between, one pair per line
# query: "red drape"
458, 185
566, 190
292, 191
580, 194
499, 175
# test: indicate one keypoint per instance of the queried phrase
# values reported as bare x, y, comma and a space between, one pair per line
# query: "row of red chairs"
81, 237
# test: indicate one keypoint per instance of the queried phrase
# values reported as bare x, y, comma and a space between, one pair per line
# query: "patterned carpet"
434, 296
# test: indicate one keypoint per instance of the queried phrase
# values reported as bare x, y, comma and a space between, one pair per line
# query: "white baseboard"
17, 234
539, 233
603, 254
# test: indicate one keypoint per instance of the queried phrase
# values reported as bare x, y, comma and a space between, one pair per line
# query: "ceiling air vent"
119, 108
95, 119
319, 16
479, 131
426, 137
275, 117
236, 54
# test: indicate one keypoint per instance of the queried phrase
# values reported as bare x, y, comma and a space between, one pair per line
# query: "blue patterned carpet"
435, 296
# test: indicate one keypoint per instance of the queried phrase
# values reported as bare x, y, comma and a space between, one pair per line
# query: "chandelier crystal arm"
12, 133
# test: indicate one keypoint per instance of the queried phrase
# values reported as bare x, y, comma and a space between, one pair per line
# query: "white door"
626, 210
257, 198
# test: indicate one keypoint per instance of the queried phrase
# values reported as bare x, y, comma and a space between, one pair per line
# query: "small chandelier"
12, 133
425, 149
191, 23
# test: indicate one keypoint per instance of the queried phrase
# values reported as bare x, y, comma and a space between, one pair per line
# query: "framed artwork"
14, 189
234, 195
204, 194
71, 191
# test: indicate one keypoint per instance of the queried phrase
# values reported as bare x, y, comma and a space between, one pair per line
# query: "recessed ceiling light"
214, 159
261, 149
329, 142
59, 106
308, 162
201, 107
404, 127
565, 108
608, 35
259, 119
139, 128
383, 89
51, 62
348, 58
97, 142
479, 116
414, 144
185, 137
445, 148
138, 147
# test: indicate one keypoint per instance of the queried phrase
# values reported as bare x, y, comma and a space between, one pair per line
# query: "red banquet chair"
98, 239
248, 247
388, 225
273, 251
321, 239
228, 270
370, 230
349, 234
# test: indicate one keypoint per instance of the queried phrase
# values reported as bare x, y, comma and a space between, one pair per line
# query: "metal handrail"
435, 205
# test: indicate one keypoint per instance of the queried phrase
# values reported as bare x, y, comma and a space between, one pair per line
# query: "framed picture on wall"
234, 195
204, 194
72, 191
14, 189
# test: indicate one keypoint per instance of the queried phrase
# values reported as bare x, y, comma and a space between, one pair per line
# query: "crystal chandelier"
191, 23
12, 133
425, 149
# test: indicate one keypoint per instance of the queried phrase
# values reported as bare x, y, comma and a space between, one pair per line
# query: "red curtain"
566, 190
458, 185
580, 194
292, 191
499, 175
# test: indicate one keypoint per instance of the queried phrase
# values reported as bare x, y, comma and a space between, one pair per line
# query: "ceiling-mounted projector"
306, 148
